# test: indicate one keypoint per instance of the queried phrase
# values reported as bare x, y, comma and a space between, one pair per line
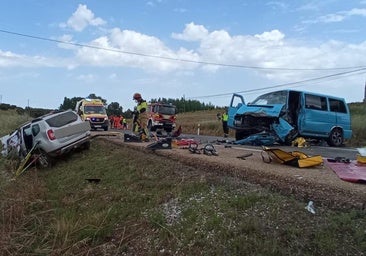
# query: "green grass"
149, 205
146, 204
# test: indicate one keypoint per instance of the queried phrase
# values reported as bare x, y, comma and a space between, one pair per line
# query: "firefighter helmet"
137, 96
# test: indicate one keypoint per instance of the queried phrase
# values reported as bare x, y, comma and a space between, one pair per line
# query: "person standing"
124, 124
224, 119
141, 116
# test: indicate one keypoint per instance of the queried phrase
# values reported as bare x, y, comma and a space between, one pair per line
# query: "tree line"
114, 108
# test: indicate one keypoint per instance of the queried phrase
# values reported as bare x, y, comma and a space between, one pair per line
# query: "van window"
316, 102
337, 106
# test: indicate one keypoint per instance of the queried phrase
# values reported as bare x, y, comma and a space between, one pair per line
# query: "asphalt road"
324, 151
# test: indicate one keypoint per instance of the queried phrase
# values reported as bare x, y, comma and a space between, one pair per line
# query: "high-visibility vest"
142, 106
225, 117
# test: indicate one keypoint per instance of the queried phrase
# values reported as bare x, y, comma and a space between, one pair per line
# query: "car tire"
335, 138
44, 160
86, 145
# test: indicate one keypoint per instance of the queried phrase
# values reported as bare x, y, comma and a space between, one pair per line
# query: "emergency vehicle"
94, 111
161, 116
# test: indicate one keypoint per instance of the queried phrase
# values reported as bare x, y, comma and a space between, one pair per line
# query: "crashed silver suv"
53, 135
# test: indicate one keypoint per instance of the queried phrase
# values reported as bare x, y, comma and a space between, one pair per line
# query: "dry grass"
202, 122
143, 206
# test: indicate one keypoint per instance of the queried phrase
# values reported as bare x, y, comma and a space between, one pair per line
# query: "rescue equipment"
165, 143
294, 158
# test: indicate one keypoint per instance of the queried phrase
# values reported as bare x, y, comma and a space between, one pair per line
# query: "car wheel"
336, 138
44, 160
86, 145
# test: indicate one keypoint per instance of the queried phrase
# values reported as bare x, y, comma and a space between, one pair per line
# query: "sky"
203, 50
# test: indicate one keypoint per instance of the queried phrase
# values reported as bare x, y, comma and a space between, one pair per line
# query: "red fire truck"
161, 116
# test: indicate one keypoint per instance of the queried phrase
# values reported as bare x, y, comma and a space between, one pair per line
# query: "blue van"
288, 114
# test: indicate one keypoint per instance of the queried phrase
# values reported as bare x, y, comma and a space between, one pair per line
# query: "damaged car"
53, 135
287, 114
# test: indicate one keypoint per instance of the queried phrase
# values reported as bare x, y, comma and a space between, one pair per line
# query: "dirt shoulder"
319, 184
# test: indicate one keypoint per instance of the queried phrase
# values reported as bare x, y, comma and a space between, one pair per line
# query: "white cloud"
274, 35
356, 12
192, 32
68, 42
133, 49
338, 16
82, 18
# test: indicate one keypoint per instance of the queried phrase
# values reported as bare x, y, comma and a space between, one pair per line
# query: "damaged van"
287, 114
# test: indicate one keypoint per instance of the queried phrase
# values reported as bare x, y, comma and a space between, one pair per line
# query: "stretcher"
294, 158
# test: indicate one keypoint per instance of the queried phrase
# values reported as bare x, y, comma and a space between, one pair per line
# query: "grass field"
144, 204
150, 205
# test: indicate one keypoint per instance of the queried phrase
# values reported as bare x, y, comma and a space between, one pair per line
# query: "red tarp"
352, 171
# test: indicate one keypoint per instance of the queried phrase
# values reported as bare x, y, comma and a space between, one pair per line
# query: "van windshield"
94, 110
279, 97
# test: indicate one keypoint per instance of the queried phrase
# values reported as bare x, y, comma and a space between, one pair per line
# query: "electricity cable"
170, 58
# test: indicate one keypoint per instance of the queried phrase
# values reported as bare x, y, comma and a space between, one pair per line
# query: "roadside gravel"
319, 184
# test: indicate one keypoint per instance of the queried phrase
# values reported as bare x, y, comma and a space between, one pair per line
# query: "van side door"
315, 118
343, 118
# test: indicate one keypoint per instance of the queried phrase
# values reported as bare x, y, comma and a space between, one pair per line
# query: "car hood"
260, 110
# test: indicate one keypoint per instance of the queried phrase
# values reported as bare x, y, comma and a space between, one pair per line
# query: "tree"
93, 96
69, 103
114, 109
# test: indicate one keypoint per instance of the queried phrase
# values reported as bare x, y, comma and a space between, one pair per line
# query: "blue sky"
202, 50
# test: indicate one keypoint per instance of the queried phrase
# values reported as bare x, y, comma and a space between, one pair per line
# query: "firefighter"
141, 116
224, 119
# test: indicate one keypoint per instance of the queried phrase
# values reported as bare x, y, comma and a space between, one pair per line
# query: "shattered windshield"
279, 97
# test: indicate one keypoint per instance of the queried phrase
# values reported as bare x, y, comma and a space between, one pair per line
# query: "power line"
281, 85
170, 58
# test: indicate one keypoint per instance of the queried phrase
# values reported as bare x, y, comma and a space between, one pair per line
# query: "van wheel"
239, 135
44, 160
335, 138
